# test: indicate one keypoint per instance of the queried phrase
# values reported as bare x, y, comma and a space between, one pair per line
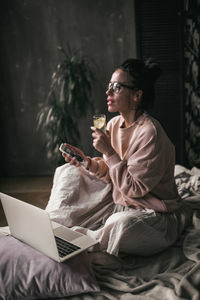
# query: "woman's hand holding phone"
73, 155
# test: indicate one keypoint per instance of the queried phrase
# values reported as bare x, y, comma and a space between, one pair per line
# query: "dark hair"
144, 76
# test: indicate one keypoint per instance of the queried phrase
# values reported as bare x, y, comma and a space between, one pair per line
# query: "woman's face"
120, 100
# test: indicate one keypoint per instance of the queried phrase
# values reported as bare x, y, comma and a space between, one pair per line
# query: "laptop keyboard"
64, 247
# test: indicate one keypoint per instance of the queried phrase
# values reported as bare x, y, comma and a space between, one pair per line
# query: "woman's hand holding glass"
102, 141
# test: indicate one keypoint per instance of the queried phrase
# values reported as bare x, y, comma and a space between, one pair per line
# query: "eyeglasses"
115, 86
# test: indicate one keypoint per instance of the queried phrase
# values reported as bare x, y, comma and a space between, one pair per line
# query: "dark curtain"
192, 81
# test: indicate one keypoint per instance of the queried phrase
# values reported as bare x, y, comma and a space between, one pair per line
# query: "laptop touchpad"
66, 233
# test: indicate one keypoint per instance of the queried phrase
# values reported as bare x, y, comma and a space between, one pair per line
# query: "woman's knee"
124, 219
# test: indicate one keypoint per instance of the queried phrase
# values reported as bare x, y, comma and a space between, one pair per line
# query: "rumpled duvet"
173, 274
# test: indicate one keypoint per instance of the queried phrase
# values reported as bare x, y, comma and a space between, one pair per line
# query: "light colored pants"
80, 201
138, 232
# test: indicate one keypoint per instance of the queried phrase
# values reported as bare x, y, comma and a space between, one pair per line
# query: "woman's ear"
137, 96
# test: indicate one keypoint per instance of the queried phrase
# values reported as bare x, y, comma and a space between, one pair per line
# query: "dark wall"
30, 32
105, 31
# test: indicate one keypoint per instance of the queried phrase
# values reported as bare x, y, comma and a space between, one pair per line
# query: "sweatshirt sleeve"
99, 168
141, 171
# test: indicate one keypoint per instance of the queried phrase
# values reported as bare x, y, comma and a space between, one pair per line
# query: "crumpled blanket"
173, 274
78, 198
188, 182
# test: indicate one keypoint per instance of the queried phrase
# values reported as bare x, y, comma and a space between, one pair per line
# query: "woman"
138, 160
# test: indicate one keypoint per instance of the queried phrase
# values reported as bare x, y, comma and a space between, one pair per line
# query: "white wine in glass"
100, 121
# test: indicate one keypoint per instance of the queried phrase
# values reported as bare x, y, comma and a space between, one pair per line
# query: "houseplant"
68, 100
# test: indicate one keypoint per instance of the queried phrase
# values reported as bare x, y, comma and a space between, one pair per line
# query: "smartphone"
63, 148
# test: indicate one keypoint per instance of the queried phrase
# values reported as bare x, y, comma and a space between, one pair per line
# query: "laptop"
32, 225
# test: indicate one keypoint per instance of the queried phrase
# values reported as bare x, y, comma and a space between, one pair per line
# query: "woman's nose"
109, 91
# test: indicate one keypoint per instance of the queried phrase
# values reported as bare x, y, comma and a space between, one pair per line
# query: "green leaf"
69, 98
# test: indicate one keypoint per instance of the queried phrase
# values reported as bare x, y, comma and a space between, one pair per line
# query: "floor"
34, 190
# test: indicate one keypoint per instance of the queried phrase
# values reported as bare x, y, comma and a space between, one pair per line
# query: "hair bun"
154, 70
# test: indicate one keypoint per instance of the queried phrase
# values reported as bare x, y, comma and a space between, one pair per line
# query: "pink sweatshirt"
142, 169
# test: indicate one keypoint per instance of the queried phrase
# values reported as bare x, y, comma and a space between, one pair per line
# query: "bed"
170, 275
